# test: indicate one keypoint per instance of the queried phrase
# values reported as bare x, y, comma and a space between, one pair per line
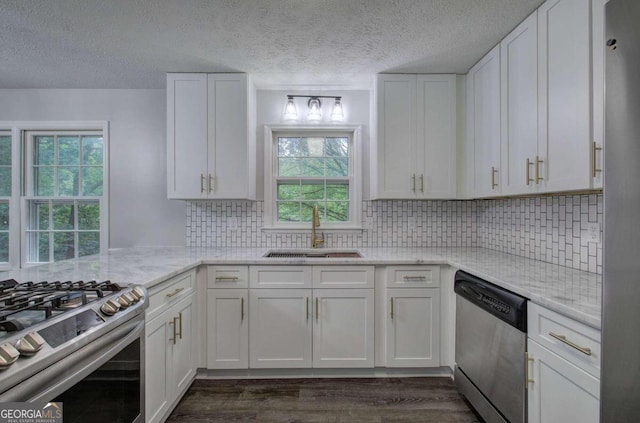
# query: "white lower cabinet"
413, 327
343, 328
227, 329
169, 357
563, 368
280, 335
559, 391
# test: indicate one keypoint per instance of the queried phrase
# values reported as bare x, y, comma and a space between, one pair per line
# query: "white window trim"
355, 198
17, 234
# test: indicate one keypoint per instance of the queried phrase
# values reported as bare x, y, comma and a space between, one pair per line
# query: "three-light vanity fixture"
315, 108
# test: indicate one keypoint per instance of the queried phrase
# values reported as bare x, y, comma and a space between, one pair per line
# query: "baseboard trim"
443, 371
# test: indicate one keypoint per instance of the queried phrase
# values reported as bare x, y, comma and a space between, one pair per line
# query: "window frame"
13, 199
271, 134
22, 132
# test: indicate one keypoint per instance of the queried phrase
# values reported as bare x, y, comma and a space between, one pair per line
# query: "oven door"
101, 382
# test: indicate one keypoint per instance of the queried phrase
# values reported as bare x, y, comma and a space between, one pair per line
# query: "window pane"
337, 211
313, 146
306, 209
68, 150
337, 167
288, 167
88, 216
67, 181
312, 167
63, 246
42, 216
288, 192
289, 147
43, 177
92, 181
313, 191
4, 216
43, 149
289, 211
337, 147
41, 240
337, 192
5, 181
88, 243
4, 247
92, 151
63, 217
5, 150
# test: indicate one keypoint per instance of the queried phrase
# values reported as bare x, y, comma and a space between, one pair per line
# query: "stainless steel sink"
313, 254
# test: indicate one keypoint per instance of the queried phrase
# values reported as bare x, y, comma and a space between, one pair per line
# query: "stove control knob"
137, 293
110, 308
30, 344
8, 355
124, 301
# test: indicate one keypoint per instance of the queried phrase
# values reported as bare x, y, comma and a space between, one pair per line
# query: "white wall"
270, 106
139, 212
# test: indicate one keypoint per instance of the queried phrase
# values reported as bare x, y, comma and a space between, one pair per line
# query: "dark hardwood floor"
383, 400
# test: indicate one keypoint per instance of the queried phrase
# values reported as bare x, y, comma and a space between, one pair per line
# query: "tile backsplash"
553, 229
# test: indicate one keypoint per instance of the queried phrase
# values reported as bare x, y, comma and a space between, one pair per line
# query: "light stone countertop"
573, 293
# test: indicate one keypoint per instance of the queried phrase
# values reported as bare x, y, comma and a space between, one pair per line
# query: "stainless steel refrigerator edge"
620, 379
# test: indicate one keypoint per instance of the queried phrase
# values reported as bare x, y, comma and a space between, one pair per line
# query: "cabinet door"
280, 335
183, 348
228, 153
413, 327
559, 391
436, 136
227, 329
343, 328
186, 135
599, 45
158, 364
519, 107
396, 153
564, 110
484, 94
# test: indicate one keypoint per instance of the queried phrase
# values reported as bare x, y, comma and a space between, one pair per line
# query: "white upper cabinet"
597, 55
415, 156
210, 138
483, 123
564, 141
519, 107
186, 134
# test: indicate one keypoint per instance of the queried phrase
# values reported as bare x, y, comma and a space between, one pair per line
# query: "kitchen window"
313, 167
5, 197
64, 210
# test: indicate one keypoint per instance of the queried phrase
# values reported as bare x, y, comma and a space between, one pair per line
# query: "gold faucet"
315, 222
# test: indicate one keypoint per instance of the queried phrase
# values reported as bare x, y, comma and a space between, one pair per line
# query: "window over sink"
307, 167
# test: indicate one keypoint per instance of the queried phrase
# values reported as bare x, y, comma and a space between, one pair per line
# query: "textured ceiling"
133, 43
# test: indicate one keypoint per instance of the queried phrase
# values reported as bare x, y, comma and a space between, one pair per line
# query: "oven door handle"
64, 374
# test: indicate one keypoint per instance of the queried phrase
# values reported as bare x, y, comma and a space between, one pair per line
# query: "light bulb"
315, 111
337, 112
290, 111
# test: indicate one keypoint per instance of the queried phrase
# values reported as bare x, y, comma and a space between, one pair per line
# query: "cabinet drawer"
170, 291
228, 277
575, 342
280, 276
343, 276
413, 276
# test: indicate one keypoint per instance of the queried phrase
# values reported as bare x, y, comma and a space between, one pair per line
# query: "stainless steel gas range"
79, 343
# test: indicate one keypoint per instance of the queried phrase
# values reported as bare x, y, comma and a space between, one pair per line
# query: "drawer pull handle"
179, 325
226, 278
564, 340
415, 278
594, 168
317, 308
241, 309
176, 292
173, 325
307, 307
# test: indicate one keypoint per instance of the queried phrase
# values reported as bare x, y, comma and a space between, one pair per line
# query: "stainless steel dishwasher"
491, 336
